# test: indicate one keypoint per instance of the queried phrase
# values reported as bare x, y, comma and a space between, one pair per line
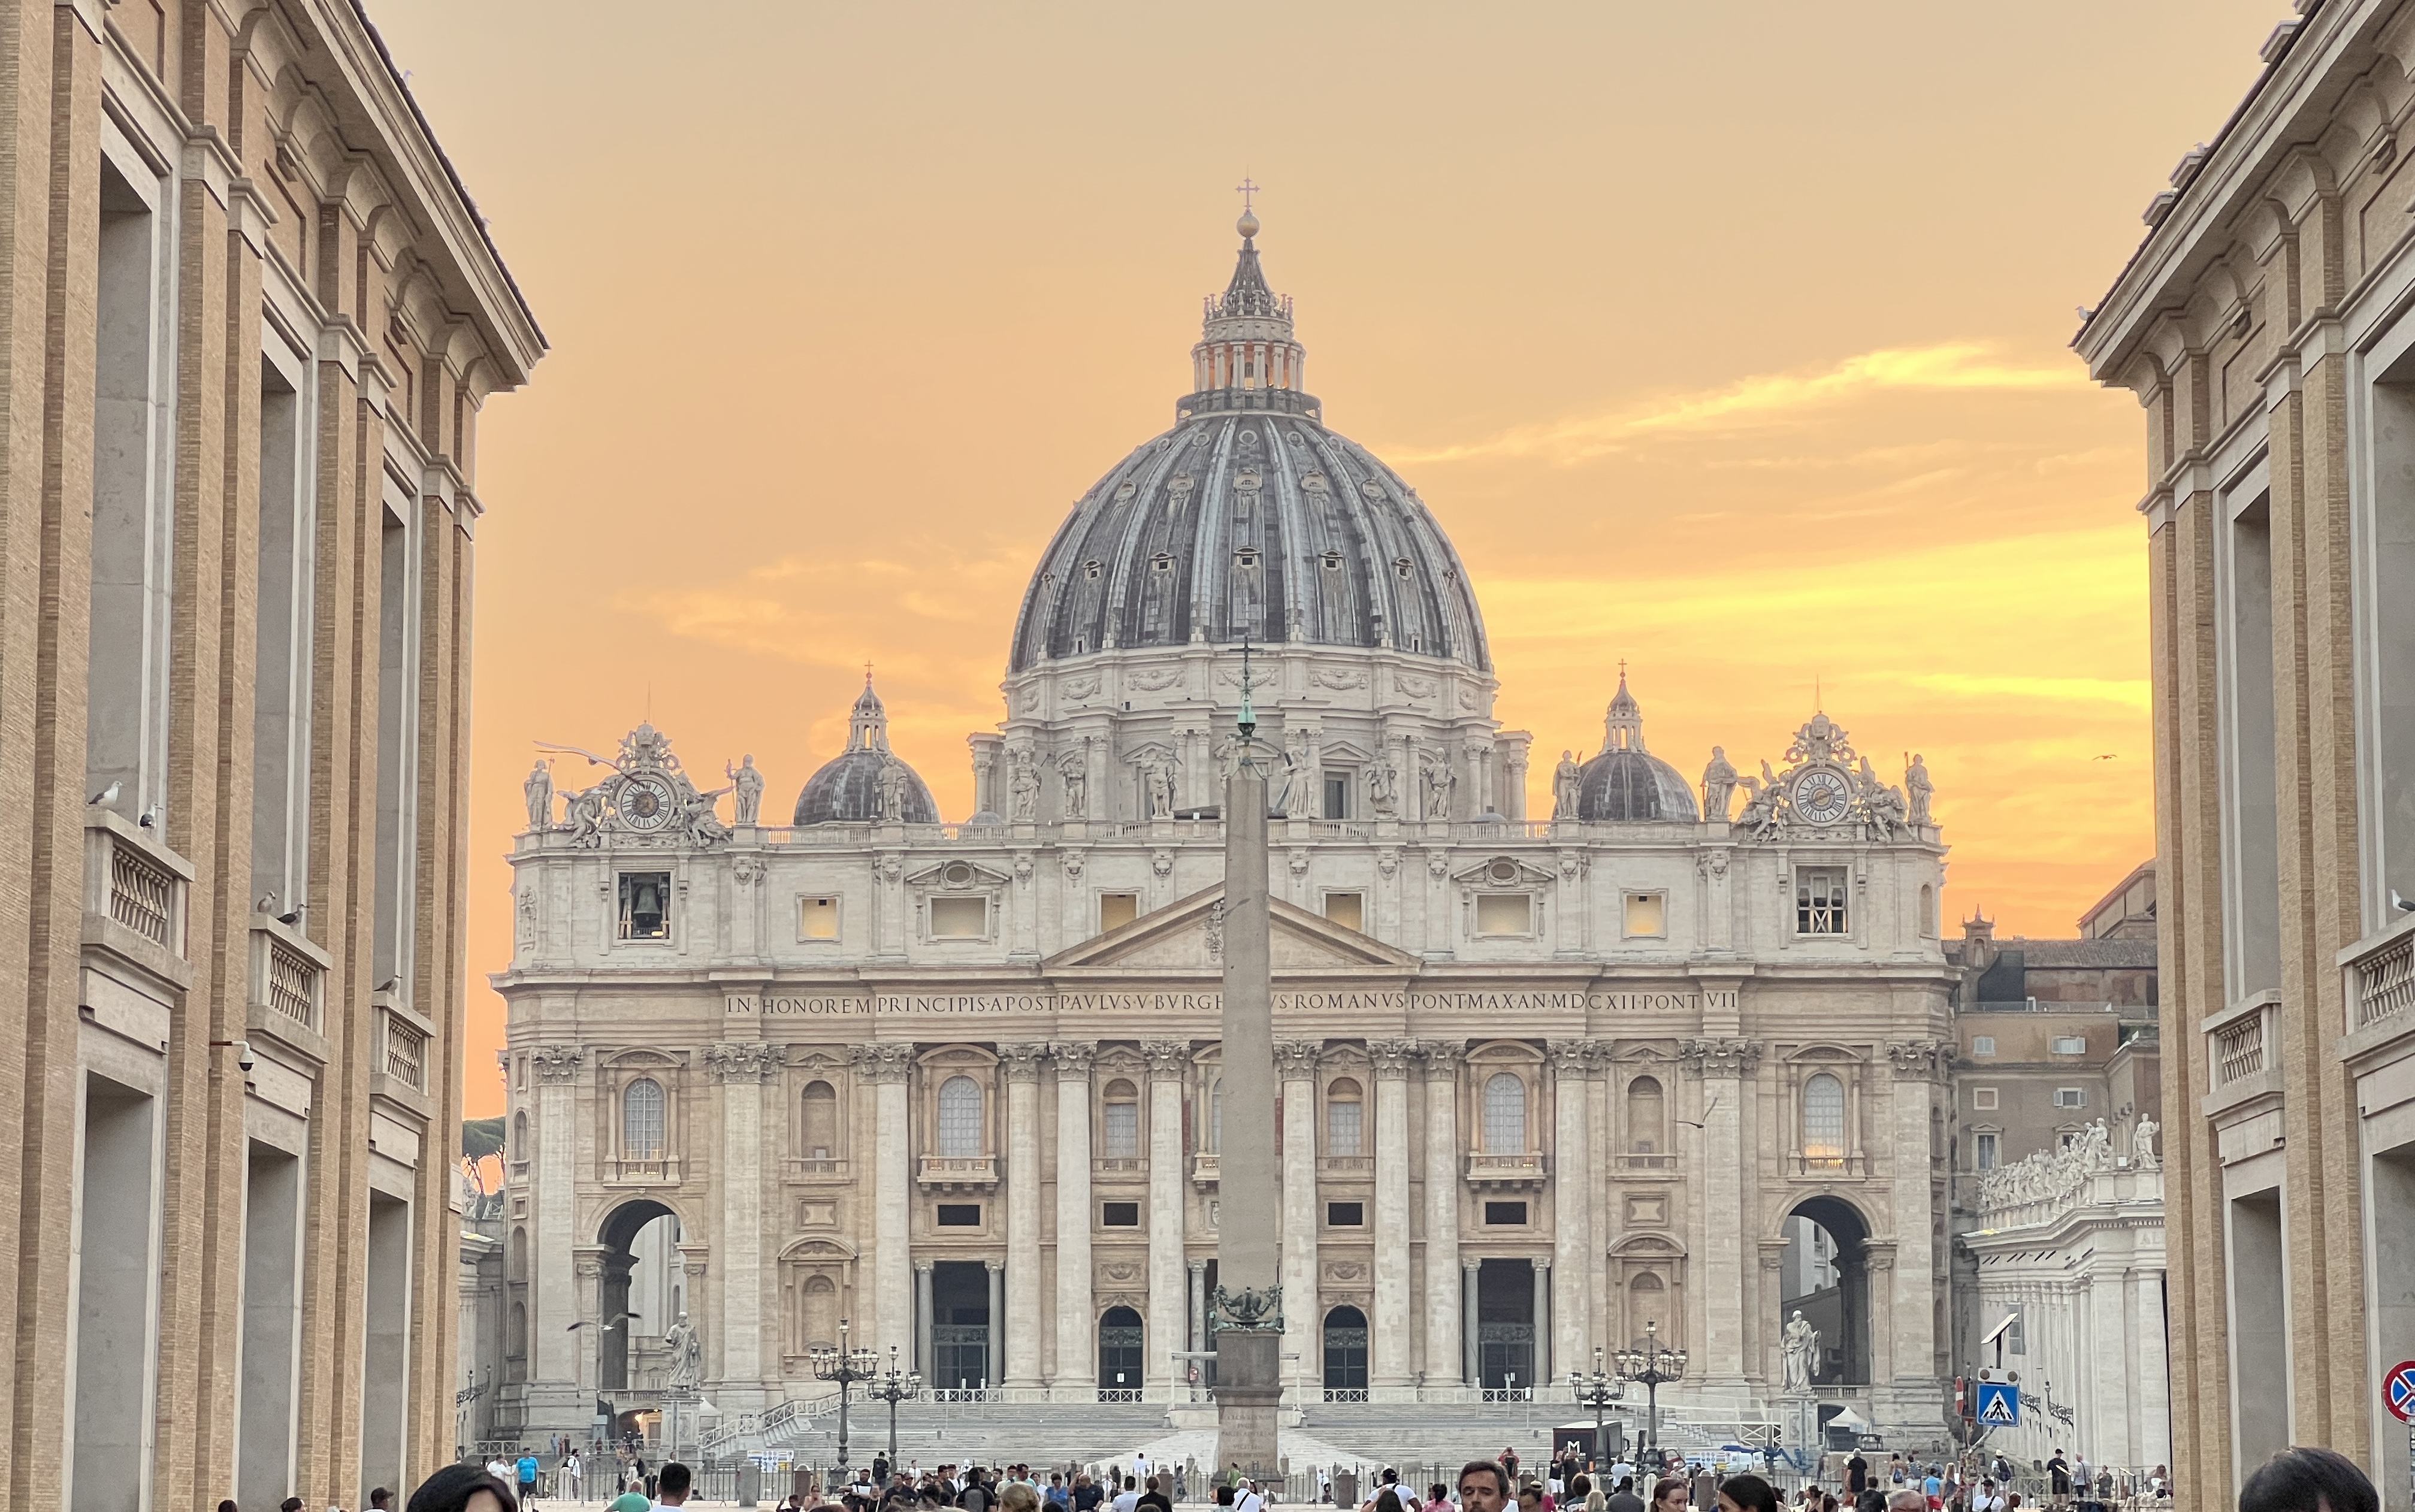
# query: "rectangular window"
1345, 1215
816, 918
2016, 1340
959, 918
1337, 795
2070, 1097
1647, 915
1342, 1128
1117, 909
1120, 1215
1820, 900
1504, 1215
1348, 909
1122, 1131
1983, 1100
1983, 1045
960, 1215
1984, 1152
1504, 913
2070, 1044
645, 906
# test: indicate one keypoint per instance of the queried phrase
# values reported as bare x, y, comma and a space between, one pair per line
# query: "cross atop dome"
1246, 344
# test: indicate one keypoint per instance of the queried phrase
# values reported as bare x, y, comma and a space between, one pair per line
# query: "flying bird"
107, 795
1708, 1109
2109, 756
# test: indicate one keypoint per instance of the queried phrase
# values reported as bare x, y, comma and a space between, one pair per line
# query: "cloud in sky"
1763, 398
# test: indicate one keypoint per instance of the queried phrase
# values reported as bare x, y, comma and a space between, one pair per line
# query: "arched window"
1928, 911
1823, 1119
821, 1121
1644, 1116
1216, 1115
1647, 1298
1120, 1120
519, 1136
1505, 1114
960, 1117
515, 1344
821, 1313
641, 1120
1344, 1120
516, 1256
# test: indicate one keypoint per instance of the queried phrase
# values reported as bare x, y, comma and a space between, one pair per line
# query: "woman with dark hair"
1672, 1494
2308, 1480
1746, 1494
463, 1488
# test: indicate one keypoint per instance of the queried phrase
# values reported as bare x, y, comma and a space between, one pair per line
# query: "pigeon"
106, 795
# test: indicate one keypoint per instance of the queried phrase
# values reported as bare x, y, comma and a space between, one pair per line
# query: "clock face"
645, 803
1821, 797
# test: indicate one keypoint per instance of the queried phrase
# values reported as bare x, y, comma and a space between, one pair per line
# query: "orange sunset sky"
1725, 338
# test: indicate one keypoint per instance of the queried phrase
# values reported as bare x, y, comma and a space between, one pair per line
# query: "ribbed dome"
1249, 518
1625, 783
848, 785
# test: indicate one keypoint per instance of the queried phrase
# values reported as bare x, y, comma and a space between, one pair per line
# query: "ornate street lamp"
1597, 1391
847, 1366
894, 1386
1652, 1365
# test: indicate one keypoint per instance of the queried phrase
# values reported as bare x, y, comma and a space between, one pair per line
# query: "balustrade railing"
2381, 975
405, 1056
2238, 1049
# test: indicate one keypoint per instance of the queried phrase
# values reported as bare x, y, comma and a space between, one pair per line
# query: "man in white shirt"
1128, 1499
1246, 1498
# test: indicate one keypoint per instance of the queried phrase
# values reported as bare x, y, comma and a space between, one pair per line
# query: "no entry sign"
2398, 1391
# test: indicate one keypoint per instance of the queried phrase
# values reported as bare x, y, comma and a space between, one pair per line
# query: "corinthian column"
1168, 1061
886, 1067
1918, 1066
1074, 1306
553, 1349
1722, 1067
1388, 1342
1442, 1155
738, 1072
1571, 1200
1296, 1065
1022, 1063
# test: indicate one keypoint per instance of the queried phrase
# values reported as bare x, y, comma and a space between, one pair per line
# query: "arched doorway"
1826, 1276
1345, 1355
643, 1291
1120, 1338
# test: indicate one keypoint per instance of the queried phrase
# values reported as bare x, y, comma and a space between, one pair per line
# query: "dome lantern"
1247, 357
866, 783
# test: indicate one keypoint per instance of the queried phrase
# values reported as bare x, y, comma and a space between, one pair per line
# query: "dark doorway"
1346, 1356
619, 1322
1121, 1336
1504, 1323
1826, 1276
959, 1325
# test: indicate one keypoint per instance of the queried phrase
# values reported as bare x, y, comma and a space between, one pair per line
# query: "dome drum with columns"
1545, 1081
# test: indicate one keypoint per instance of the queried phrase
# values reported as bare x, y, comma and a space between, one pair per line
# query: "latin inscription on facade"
1207, 1004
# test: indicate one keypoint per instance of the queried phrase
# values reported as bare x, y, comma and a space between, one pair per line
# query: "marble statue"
1023, 788
1077, 788
748, 783
701, 822
1760, 807
892, 792
1158, 777
539, 788
686, 1351
1801, 1347
1438, 781
1719, 785
586, 812
1917, 788
1566, 778
2142, 1144
1384, 789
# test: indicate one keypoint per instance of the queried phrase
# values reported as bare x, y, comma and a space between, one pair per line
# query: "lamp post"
894, 1386
1653, 1365
847, 1366
1597, 1391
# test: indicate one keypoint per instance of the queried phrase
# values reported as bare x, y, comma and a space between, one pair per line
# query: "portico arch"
1825, 1275
626, 1233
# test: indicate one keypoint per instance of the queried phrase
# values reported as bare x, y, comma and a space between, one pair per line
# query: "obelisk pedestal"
1249, 1299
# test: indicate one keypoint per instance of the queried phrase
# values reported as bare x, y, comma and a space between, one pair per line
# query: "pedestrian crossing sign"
2000, 1404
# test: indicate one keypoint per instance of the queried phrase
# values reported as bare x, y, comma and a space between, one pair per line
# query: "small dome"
1626, 784
848, 788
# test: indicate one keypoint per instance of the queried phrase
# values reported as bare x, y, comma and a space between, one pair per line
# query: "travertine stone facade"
1541, 1081
248, 320
2263, 325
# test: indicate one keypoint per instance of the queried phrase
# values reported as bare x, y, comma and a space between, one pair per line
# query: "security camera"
243, 1055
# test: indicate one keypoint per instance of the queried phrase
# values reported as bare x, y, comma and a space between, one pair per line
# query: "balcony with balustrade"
2242, 1048
951, 1173
401, 1063
133, 937
287, 1001
2378, 996
1521, 1171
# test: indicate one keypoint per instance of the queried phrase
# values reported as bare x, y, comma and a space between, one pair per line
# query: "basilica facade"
1672, 1058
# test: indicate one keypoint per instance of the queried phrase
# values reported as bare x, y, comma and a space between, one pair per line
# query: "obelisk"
1249, 1297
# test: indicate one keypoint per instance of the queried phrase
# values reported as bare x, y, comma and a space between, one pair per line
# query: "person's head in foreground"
1907, 1500
1746, 1494
1020, 1497
1483, 1487
1672, 1494
463, 1488
2305, 1480
672, 1483
631, 1502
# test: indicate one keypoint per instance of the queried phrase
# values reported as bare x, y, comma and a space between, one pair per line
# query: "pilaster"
1443, 1363
1075, 1360
1022, 1063
1168, 1060
1389, 1367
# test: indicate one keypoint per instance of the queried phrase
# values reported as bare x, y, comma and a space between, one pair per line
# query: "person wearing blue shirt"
528, 1477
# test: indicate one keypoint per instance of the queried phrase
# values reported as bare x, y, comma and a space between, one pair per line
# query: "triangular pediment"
1187, 936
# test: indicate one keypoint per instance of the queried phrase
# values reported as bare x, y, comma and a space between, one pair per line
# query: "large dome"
1249, 520
851, 785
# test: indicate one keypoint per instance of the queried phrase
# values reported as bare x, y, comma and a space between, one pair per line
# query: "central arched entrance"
1345, 1355
642, 1294
1826, 1276
1120, 1338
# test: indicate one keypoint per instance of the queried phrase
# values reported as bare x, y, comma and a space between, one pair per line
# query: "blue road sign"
2000, 1404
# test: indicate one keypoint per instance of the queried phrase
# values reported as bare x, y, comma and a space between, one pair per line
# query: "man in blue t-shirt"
528, 1478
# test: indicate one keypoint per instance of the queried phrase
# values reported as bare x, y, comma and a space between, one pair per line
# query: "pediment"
1187, 936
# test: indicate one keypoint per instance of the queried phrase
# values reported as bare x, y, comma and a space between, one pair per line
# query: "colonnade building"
1547, 1082
253, 320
